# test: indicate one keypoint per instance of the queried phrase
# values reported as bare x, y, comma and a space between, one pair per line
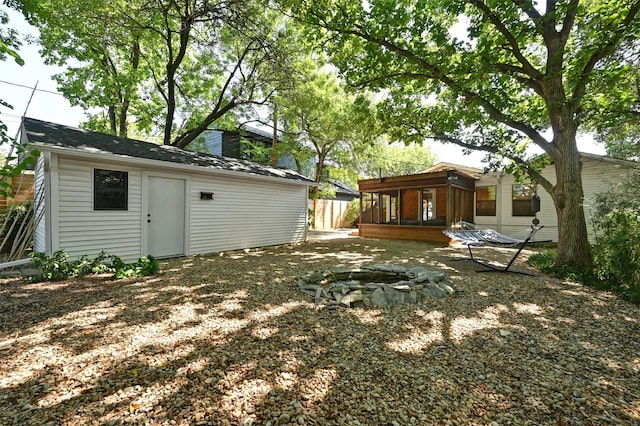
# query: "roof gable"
45, 135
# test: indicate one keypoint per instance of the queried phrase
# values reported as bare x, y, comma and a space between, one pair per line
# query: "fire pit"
375, 285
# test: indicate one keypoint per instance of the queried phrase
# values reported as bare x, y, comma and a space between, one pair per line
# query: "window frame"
488, 201
119, 194
519, 200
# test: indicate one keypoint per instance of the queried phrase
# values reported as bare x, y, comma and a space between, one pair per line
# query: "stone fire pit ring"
375, 285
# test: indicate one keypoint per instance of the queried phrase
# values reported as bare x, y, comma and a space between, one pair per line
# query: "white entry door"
165, 216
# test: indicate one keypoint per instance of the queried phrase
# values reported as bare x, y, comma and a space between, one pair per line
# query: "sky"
46, 103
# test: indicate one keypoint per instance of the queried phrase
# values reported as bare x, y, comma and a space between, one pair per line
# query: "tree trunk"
568, 197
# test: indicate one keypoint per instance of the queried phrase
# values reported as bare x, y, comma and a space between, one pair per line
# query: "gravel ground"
228, 339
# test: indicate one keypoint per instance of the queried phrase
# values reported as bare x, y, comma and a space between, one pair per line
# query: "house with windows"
97, 192
419, 207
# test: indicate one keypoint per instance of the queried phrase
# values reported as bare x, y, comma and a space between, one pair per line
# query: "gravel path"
228, 339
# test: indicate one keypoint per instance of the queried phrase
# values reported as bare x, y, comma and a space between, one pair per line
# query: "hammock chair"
466, 234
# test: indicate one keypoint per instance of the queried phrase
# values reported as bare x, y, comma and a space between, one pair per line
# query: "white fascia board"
141, 162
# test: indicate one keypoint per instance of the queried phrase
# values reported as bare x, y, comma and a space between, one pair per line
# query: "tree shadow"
229, 340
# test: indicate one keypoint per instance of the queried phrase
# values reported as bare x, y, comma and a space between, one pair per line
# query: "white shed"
131, 198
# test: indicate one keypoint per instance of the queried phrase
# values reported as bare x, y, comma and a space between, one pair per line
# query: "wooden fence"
22, 190
330, 214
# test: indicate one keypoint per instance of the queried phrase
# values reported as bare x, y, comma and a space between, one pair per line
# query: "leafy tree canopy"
487, 75
322, 118
171, 68
381, 158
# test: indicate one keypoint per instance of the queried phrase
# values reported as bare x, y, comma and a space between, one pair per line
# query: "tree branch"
437, 74
523, 164
607, 49
530, 70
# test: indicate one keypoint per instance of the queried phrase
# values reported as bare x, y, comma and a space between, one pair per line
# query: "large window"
369, 213
389, 203
486, 201
428, 205
110, 189
521, 200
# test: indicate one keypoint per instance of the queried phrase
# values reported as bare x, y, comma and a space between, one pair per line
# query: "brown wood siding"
441, 202
410, 201
22, 190
379, 185
431, 234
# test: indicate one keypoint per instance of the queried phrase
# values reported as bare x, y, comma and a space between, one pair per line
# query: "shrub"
616, 255
545, 261
58, 266
147, 265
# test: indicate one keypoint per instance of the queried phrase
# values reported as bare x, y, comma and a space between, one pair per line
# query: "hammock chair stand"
480, 237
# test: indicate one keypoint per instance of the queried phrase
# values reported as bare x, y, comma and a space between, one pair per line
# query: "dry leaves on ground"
229, 340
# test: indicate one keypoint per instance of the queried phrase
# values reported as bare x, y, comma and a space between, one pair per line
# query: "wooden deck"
428, 234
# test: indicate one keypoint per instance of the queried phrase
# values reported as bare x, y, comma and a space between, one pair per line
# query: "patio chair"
466, 234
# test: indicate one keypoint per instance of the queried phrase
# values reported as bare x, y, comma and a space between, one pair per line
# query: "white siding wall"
83, 231
245, 214
597, 176
40, 235
520, 226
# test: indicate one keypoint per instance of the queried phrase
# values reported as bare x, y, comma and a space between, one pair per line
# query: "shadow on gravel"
228, 339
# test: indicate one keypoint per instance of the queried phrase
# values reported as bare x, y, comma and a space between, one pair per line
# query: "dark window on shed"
110, 190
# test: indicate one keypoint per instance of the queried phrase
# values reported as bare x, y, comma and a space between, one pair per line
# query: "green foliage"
601, 276
616, 253
20, 160
173, 68
58, 266
146, 265
9, 41
488, 76
256, 152
15, 219
352, 213
383, 159
545, 261
11, 167
616, 220
52, 268
326, 119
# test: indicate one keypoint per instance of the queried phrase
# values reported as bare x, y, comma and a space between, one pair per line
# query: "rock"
376, 285
434, 291
393, 296
283, 419
378, 298
354, 296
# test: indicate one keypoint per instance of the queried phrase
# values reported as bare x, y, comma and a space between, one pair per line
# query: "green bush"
58, 266
616, 255
545, 261
145, 266
52, 268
